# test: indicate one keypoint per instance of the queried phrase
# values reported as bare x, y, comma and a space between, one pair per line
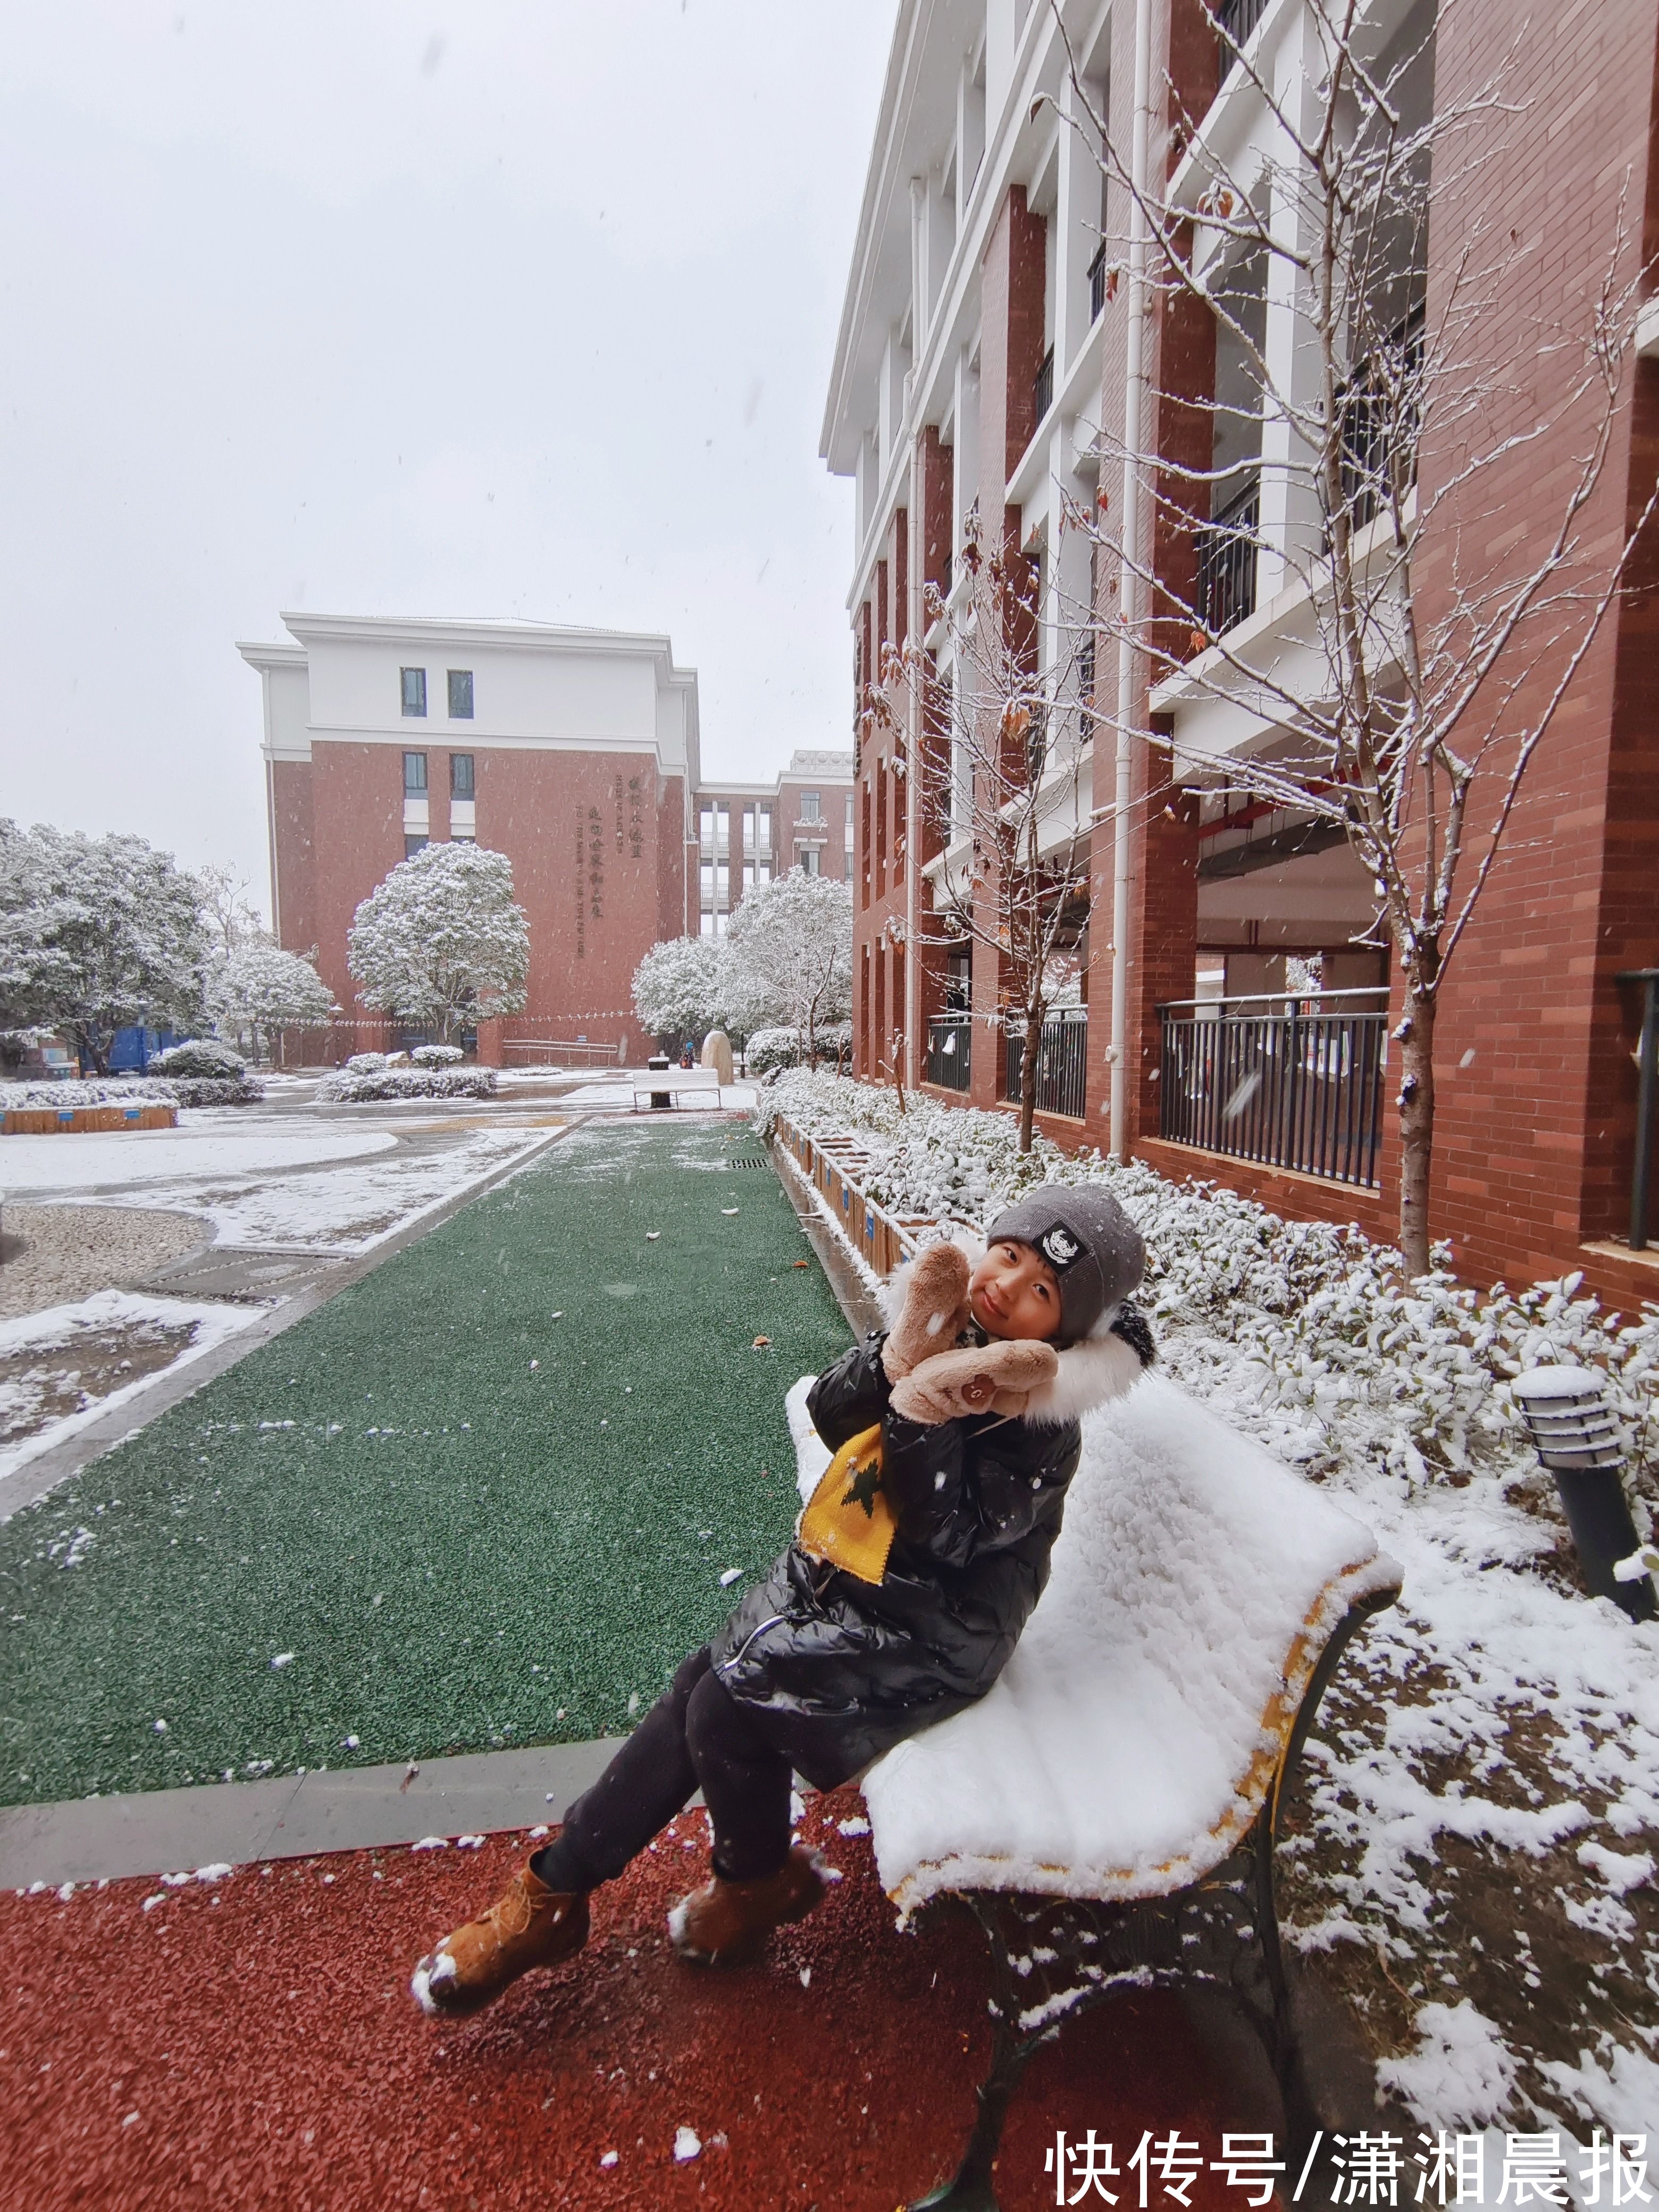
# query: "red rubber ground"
254, 2044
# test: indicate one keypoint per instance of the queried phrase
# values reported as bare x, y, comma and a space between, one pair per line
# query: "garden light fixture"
1573, 1430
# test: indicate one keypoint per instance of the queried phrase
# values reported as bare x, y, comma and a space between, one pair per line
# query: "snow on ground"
619, 1090
266, 1182
351, 1209
199, 1147
1483, 1783
60, 1371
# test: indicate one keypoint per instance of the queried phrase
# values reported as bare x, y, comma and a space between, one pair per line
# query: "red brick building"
576, 753
983, 350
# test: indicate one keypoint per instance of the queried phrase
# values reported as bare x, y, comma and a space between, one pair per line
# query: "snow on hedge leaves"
1321, 1323
1494, 1728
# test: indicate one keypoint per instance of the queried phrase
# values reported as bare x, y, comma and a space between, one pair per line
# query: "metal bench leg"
973, 2187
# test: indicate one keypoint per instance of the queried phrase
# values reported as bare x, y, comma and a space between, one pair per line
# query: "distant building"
576, 753
749, 832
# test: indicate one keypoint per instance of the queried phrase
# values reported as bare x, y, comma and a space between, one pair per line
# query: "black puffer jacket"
840, 1670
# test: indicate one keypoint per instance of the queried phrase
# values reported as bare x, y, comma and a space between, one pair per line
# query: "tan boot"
724, 1923
531, 1926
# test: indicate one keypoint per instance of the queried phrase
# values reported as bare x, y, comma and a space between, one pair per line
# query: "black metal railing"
1227, 548
1085, 688
1043, 388
1288, 1083
1377, 408
1062, 1063
1647, 1068
1236, 20
1098, 283
950, 1050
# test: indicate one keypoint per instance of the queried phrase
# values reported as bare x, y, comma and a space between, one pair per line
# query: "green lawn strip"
460, 1551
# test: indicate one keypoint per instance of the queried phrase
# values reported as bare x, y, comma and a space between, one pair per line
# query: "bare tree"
1405, 712
998, 753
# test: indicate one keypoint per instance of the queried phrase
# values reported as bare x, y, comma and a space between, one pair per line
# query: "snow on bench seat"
1135, 1733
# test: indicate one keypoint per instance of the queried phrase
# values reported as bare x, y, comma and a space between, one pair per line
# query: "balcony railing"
1062, 1063
1377, 407
1236, 20
1227, 548
1098, 283
1043, 388
1285, 1082
950, 1040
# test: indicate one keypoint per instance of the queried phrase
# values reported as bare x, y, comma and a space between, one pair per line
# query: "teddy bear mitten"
936, 1310
996, 1379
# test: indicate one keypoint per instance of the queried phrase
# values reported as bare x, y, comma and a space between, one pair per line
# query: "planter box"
69, 1120
833, 1165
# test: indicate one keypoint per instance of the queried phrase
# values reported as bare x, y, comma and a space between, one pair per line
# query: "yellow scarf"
848, 1522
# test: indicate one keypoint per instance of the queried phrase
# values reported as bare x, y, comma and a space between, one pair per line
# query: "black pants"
696, 1737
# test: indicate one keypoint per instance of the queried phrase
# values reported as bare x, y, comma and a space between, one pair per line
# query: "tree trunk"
1028, 1076
1416, 1103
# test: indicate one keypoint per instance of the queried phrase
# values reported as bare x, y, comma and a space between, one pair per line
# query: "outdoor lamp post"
1572, 1429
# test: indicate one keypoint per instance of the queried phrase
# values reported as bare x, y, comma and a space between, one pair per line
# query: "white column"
1290, 504
921, 280
1077, 187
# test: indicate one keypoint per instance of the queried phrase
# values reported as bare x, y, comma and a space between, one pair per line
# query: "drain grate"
749, 1160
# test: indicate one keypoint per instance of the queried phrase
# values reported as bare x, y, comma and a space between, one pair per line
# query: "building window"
460, 694
414, 692
414, 774
846, 861
413, 845
849, 817
460, 775
810, 810
810, 857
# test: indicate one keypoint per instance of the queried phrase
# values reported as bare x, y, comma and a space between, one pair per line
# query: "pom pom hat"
1089, 1241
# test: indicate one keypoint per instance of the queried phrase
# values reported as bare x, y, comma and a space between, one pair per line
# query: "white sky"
519, 309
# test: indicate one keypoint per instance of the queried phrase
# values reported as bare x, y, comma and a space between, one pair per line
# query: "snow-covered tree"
97, 933
678, 986
789, 956
230, 919
442, 942
1439, 653
256, 989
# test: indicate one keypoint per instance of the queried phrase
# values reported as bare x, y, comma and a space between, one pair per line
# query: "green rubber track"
459, 1550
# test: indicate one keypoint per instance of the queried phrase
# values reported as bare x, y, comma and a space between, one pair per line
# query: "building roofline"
866, 238
486, 630
264, 657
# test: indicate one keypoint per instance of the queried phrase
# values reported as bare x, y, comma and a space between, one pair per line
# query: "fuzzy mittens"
996, 1380
935, 1313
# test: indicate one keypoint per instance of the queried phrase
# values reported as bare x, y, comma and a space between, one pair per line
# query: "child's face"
1014, 1292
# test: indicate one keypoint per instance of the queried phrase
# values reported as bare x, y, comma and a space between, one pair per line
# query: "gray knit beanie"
1087, 1239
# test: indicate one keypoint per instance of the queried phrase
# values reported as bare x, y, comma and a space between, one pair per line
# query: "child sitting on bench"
917, 1563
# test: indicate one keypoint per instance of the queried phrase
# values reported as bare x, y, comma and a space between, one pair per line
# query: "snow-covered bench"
1109, 1812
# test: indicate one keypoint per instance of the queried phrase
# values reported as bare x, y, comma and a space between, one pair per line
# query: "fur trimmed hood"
1106, 1363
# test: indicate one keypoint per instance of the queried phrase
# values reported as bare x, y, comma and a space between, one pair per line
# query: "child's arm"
996, 1378
956, 1492
853, 1394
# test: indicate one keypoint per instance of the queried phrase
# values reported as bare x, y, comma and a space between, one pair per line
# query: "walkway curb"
154, 1832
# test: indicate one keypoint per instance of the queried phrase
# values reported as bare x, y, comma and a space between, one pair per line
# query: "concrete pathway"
292, 1816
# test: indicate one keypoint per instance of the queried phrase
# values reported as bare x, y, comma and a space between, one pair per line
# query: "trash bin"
657, 1065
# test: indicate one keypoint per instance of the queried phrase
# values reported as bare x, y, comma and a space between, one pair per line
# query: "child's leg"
746, 1784
651, 1779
